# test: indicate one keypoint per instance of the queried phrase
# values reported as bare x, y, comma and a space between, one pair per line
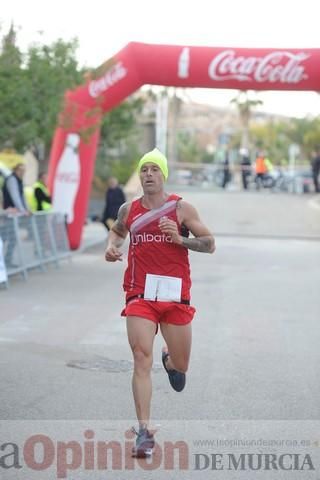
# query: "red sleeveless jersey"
151, 251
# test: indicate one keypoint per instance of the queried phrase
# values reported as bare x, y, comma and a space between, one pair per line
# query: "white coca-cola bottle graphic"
67, 179
183, 64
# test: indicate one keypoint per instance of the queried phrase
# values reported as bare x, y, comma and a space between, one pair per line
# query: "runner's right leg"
141, 333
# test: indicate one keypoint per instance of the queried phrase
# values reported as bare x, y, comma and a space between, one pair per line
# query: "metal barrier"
28, 242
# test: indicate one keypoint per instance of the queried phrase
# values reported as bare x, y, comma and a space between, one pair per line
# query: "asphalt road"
66, 366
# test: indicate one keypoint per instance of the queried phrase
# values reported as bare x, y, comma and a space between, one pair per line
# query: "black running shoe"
144, 443
177, 379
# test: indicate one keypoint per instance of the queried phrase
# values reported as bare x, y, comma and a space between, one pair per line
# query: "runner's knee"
142, 359
181, 364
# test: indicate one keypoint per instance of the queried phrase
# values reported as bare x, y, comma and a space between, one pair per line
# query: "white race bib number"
162, 288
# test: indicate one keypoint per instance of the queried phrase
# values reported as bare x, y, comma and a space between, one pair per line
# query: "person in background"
226, 170
245, 167
6, 234
269, 165
315, 168
12, 191
42, 198
38, 196
115, 197
260, 169
14, 203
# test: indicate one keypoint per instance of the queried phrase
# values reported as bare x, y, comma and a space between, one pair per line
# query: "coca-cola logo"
116, 73
67, 177
280, 66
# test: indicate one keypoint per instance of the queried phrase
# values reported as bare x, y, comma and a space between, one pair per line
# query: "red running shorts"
158, 312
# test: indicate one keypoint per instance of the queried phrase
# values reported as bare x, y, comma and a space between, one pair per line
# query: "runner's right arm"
117, 235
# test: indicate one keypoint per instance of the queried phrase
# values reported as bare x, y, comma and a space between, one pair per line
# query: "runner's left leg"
178, 339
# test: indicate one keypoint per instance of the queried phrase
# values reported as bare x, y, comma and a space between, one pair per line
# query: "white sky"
103, 27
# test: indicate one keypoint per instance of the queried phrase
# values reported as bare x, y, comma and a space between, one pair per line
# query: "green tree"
32, 86
311, 138
10, 54
50, 70
245, 106
272, 138
276, 137
119, 138
188, 148
120, 122
14, 94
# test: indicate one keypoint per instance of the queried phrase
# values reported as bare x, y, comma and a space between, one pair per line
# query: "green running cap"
155, 156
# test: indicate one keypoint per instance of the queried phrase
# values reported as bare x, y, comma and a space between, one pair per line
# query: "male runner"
157, 282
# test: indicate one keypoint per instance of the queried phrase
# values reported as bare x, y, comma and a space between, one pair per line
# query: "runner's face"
151, 178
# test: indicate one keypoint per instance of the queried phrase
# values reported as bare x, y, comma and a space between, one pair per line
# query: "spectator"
13, 202
269, 165
13, 195
226, 170
41, 200
245, 167
260, 169
315, 167
114, 199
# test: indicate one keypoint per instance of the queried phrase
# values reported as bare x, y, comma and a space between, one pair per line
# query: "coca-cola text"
279, 66
68, 177
112, 76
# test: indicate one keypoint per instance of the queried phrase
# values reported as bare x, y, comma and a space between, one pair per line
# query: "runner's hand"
113, 254
170, 228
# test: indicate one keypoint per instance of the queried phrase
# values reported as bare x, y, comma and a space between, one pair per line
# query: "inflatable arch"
76, 138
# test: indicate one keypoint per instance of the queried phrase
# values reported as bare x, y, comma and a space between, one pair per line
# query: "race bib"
162, 288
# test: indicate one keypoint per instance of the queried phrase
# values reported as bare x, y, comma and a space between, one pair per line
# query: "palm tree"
245, 106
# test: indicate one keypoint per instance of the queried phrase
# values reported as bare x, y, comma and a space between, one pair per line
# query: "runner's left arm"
203, 240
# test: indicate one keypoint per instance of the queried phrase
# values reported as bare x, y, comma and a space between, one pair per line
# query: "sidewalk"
315, 202
94, 233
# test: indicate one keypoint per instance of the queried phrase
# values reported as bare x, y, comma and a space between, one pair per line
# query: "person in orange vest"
261, 169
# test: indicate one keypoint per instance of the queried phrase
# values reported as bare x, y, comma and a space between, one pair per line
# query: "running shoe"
144, 443
177, 379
